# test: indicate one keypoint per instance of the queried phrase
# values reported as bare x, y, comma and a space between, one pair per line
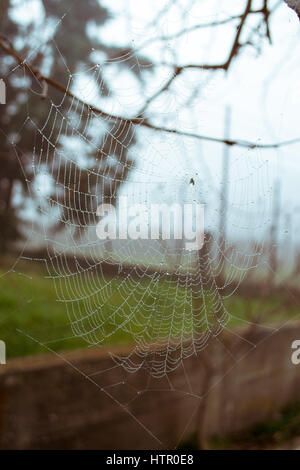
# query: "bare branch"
236, 46
137, 121
210, 24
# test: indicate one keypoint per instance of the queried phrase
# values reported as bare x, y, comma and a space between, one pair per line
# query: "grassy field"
280, 433
29, 302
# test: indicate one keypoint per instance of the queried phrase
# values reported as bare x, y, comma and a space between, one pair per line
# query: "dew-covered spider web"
157, 301
165, 300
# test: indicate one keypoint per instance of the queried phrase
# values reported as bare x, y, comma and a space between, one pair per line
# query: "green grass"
277, 433
273, 309
269, 434
30, 302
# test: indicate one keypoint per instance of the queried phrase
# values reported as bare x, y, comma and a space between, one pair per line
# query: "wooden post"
224, 189
273, 259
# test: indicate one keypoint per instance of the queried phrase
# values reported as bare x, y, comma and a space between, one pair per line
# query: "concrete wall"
48, 402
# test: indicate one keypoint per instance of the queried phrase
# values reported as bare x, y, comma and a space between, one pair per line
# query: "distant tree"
71, 44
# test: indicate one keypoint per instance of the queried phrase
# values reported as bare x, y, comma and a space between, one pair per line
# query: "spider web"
164, 299
167, 303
